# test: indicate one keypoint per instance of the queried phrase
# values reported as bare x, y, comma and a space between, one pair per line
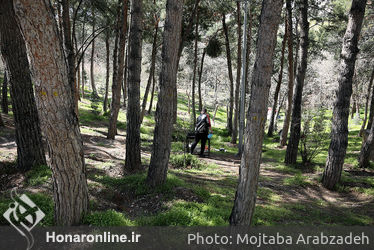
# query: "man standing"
202, 129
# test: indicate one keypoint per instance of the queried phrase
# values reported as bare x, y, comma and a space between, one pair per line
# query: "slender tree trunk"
339, 130
279, 83
293, 143
366, 149
238, 73
231, 78
4, 90
2, 124
133, 159
107, 47
83, 52
30, 150
248, 52
152, 94
367, 103
194, 69
280, 106
124, 83
168, 78
286, 123
245, 197
199, 82
118, 75
152, 69
371, 110
55, 104
92, 70
70, 55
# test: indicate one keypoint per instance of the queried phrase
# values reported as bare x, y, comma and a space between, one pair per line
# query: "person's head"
204, 111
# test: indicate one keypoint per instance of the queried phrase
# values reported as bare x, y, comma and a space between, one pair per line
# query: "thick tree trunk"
152, 69
118, 75
55, 104
366, 149
92, 61
238, 73
30, 151
339, 130
195, 69
293, 142
199, 81
245, 197
231, 78
168, 78
133, 159
279, 83
367, 103
4, 97
286, 123
107, 47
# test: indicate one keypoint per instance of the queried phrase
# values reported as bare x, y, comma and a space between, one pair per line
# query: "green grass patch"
38, 175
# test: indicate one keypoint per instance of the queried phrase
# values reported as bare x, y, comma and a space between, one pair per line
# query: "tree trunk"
339, 130
118, 71
238, 72
83, 51
55, 104
245, 197
279, 83
371, 110
70, 55
194, 70
293, 143
2, 124
124, 82
366, 149
30, 150
4, 99
92, 69
199, 81
152, 69
231, 78
367, 104
248, 52
107, 47
286, 123
133, 159
152, 94
168, 78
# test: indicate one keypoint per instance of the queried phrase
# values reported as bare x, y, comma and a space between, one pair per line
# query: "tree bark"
2, 124
152, 69
107, 47
245, 197
194, 70
293, 143
118, 71
92, 69
4, 90
55, 104
366, 149
367, 103
286, 123
83, 52
238, 73
231, 78
124, 83
133, 159
199, 81
279, 83
371, 110
339, 130
152, 94
165, 106
30, 150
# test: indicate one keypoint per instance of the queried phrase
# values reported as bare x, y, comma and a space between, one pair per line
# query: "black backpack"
202, 124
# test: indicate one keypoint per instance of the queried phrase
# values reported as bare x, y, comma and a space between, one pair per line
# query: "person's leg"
193, 146
203, 142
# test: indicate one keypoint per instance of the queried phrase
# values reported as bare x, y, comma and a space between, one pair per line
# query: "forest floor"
198, 191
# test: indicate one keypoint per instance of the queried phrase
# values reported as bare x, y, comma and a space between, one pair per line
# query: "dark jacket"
202, 124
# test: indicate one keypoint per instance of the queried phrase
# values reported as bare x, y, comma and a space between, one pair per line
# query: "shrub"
313, 134
185, 160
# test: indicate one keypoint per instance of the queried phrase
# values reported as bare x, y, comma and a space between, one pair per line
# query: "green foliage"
38, 175
185, 161
109, 218
214, 48
313, 134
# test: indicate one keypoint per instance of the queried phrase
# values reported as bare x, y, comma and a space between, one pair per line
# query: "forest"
101, 103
